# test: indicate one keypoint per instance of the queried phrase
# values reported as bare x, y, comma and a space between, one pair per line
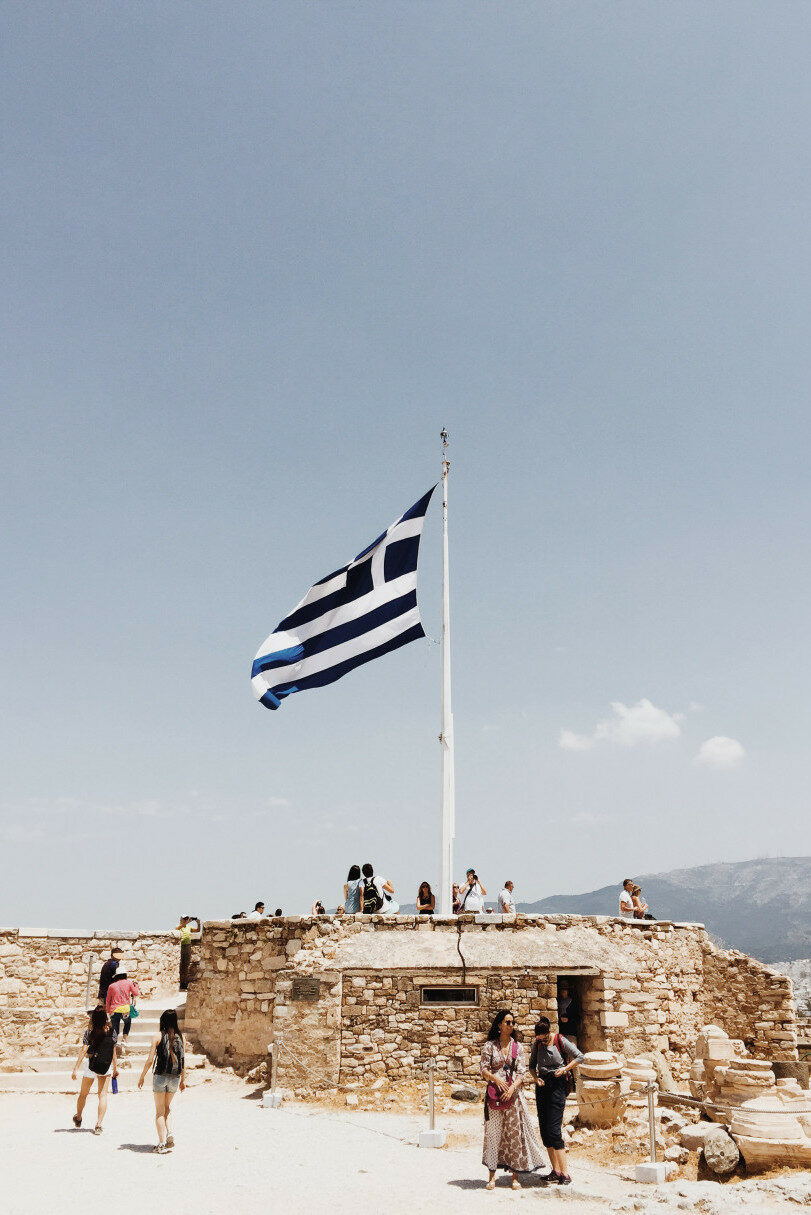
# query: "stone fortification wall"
343, 996
43, 982
751, 1002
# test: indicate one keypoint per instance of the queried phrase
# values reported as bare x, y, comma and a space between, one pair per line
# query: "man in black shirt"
108, 974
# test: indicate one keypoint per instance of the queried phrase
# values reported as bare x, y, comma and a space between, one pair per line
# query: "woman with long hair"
509, 1137
425, 900
353, 891
168, 1052
99, 1046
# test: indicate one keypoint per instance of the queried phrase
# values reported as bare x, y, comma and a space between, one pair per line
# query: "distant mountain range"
761, 907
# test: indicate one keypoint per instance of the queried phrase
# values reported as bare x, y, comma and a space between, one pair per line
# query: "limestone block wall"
751, 1002
385, 1030
343, 995
43, 982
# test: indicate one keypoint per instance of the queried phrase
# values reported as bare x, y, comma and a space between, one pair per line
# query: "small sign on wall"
306, 988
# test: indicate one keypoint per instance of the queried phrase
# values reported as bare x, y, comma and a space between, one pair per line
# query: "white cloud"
629, 725
281, 802
720, 752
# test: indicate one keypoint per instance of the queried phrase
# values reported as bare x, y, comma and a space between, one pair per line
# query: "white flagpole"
446, 737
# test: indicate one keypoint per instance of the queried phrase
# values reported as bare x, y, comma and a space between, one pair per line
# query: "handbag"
495, 1099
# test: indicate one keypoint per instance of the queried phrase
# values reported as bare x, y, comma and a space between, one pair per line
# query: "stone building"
369, 996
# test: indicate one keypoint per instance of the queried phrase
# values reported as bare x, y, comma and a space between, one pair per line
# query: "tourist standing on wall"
353, 891
509, 1137
506, 902
121, 996
426, 903
184, 931
472, 896
99, 1047
107, 972
550, 1063
168, 1053
627, 899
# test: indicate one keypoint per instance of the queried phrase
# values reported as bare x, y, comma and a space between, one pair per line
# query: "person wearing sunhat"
120, 996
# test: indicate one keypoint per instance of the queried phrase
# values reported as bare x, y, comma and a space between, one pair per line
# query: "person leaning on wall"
184, 931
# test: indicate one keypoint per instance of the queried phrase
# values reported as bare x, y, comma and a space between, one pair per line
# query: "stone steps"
52, 1073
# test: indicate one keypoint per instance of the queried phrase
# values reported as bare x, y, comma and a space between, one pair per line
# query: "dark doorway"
582, 1023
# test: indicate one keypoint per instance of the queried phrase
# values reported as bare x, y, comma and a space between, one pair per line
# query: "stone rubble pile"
769, 1120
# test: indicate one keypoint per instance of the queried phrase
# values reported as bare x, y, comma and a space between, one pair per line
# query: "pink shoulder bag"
495, 1099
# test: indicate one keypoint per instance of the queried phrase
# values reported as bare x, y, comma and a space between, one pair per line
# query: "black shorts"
550, 1102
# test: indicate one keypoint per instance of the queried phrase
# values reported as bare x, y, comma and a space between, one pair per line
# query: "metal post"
432, 1137
653, 1170
272, 1099
652, 1120
446, 736
88, 985
431, 1105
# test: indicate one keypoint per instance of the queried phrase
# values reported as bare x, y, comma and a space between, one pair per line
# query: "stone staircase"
52, 1073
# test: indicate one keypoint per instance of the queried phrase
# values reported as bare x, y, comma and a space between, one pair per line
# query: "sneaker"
170, 1140
564, 1179
97, 1130
161, 1149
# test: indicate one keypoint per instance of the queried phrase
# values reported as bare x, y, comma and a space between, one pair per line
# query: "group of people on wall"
369, 893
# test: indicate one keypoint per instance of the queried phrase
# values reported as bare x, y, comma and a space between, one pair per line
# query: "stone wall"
750, 1002
343, 996
43, 982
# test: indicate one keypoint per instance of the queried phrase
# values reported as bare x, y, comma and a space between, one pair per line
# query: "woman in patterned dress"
510, 1141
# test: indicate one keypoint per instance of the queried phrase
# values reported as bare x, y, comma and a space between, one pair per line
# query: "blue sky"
255, 257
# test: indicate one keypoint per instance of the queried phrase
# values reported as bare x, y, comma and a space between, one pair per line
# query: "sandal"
97, 1130
491, 1185
516, 1184
77, 1120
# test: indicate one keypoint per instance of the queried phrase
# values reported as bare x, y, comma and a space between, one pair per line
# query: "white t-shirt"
255, 915
390, 905
471, 898
506, 901
626, 905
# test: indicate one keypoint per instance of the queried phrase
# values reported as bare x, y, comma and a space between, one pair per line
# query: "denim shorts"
165, 1084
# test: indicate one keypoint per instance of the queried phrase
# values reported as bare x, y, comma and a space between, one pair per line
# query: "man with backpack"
376, 892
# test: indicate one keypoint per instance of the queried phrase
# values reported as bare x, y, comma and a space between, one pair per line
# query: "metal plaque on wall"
306, 988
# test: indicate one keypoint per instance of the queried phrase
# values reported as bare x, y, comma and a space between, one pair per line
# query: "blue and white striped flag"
350, 617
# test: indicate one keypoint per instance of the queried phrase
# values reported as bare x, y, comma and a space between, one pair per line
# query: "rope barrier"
420, 1072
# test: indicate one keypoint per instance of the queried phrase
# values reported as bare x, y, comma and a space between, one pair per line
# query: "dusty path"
235, 1158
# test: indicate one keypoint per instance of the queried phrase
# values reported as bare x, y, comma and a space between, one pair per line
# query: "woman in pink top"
120, 994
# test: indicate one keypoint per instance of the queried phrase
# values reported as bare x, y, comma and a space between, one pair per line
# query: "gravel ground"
235, 1157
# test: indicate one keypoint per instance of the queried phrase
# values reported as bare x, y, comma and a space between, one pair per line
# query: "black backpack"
101, 1055
372, 898
163, 1060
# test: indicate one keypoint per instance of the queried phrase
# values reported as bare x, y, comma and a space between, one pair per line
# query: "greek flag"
350, 617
